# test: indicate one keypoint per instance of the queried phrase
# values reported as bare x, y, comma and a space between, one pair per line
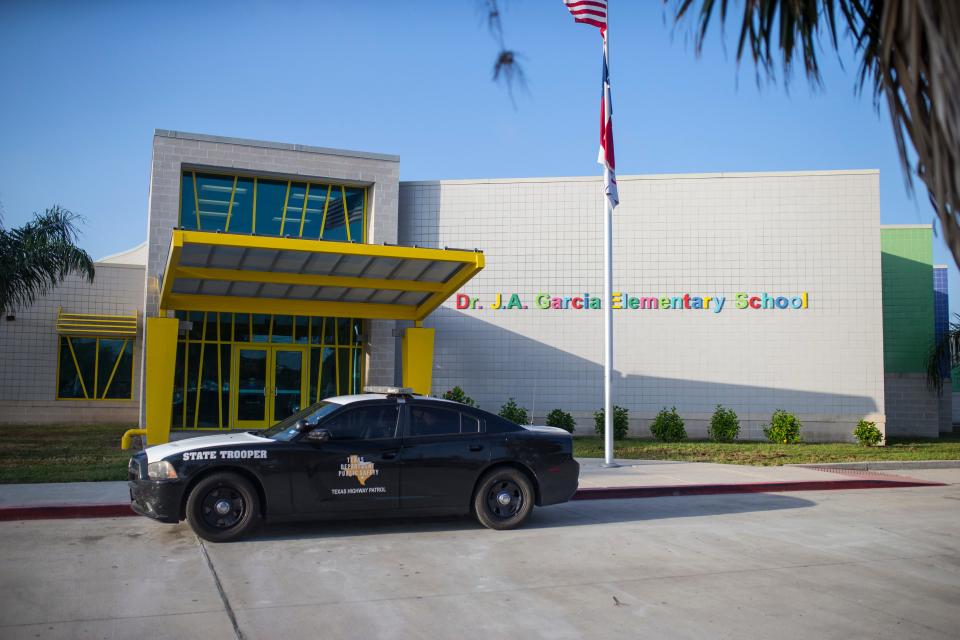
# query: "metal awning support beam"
459, 279
285, 306
279, 277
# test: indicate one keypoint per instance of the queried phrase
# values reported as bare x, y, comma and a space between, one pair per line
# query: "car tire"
503, 499
223, 507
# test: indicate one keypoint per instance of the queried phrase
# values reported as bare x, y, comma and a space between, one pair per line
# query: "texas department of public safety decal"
362, 470
225, 455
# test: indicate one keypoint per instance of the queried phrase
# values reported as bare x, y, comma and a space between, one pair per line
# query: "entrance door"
270, 383
251, 400
357, 469
289, 381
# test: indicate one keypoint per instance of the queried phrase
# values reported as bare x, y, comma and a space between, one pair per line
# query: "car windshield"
286, 429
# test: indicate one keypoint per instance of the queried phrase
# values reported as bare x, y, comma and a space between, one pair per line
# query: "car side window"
496, 424
469, 424
433, 421
364, 423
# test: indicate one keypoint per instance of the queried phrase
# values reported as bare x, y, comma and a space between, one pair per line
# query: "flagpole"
596, 13
607, 329
607, 296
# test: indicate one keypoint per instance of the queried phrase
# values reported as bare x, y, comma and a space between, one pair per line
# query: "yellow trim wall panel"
417, 359
160, 348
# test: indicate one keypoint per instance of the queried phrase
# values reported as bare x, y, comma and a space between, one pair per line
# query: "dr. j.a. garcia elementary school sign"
626, 301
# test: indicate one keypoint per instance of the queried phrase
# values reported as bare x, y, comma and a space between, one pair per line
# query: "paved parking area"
877, 563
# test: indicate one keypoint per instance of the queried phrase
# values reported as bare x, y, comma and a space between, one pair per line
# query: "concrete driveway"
880, 563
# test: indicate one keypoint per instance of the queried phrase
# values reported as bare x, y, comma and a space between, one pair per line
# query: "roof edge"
653, 176
265, 144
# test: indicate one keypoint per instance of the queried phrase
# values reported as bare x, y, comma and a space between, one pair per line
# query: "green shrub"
784, 428
621, 422
724, 425
514, 413
457, 395
868, 434
562, 419
668, 426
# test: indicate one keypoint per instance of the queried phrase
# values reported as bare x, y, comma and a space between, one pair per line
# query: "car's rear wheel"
504, 499
223, 507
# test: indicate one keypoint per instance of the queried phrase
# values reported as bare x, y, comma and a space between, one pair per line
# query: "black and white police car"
383, 453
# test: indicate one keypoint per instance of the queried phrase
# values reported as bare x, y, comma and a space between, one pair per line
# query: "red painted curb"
58, 512
61, 511
617, 493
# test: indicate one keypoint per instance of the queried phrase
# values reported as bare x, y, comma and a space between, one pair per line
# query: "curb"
618, 493
63, 511
59, 512
883, 465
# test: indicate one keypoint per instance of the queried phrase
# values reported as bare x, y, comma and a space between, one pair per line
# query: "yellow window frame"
328, 340
310, 184
97, 396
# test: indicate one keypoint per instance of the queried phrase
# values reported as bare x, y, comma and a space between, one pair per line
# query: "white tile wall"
714, 234
29, 346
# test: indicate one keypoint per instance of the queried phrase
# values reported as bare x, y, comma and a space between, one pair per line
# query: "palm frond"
909, 55
507, 67
944, 356
38, 255
772, 30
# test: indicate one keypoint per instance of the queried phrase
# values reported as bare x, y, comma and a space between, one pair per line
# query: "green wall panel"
908, 322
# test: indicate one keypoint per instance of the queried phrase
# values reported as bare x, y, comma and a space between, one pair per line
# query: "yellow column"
161, 346
417, 359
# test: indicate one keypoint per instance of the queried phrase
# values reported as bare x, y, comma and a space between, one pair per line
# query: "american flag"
594, 13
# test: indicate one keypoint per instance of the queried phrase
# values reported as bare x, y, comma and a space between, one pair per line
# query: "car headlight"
162, 470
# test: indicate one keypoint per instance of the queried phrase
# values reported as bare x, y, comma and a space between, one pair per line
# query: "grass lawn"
92, 452
765, 454
62, 453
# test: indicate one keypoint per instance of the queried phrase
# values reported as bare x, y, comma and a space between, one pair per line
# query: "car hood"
161, 451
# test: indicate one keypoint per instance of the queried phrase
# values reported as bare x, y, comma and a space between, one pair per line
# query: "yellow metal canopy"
96, 324
256, 274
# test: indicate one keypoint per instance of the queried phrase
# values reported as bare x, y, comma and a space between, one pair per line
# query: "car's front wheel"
223, 507
504, 499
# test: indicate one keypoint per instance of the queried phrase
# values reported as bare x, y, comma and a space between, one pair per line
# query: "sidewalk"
653, 478
632, 479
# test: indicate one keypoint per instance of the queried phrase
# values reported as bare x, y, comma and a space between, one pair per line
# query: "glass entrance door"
251, 400
270, 384
289, 381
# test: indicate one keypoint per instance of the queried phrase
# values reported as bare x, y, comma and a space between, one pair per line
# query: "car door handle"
389, 455
476, 447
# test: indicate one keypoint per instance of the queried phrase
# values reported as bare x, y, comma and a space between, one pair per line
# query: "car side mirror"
318, 435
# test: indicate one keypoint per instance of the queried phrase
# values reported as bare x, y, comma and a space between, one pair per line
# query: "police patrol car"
383, 452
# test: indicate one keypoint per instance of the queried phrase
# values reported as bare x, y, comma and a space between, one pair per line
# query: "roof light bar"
390, 391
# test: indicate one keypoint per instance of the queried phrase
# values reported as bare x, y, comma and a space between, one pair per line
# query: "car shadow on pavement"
572, 514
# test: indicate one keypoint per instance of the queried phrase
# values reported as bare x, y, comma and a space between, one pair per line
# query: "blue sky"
84, 84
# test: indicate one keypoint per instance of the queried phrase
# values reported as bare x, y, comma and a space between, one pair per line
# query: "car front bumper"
158, 500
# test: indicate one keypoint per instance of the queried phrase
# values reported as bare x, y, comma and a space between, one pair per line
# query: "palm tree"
944, 356
37, 256
909, 57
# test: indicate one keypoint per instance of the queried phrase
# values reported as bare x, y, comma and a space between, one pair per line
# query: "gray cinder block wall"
30, 345
706, 235
913, 409
174, 151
